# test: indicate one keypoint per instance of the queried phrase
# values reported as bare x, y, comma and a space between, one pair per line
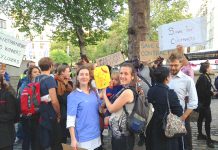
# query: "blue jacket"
7, 77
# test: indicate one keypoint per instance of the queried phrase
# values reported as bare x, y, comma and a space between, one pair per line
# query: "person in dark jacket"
64, 87
7, 116
203, 86
157, 95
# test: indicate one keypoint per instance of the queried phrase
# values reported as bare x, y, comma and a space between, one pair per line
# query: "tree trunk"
139, 15
80, 36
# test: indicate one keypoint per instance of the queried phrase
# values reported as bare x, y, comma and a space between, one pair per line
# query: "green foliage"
59, 56
162, 12
63, 46
117, 37
66, 17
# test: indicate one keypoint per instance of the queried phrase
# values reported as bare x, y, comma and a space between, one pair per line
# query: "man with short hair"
184, 86
186, 69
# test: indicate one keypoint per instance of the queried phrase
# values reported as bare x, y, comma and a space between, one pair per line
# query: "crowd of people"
72, 107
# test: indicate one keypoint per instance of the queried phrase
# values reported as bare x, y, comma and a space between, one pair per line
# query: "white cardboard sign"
112, 60
11, 50
188, 32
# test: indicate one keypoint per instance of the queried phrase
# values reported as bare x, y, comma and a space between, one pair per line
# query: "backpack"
30, 98
216, 83
141, 114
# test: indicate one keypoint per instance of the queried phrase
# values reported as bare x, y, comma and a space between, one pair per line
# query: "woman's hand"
74, 144
104, 92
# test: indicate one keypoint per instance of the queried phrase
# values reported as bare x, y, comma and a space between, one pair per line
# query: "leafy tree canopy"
162, 12
59, 56
77, 21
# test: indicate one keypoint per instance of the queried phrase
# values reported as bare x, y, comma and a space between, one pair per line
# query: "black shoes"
202, 137
210, 143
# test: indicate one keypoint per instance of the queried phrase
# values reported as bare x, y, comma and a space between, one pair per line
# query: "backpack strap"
143, 79
33, 99
135, 98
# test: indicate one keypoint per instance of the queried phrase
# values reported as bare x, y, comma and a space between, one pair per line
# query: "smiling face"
125, 76
83, 77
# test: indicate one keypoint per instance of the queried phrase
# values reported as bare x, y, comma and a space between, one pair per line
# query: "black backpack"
141, 114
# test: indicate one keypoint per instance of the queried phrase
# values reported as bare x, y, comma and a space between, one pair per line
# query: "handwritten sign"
102, 77
11, 50
112, 60
188, 32
149, 51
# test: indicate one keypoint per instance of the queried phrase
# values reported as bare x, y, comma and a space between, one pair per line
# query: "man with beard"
184, 86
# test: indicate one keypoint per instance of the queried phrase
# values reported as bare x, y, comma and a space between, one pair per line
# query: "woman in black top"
157, 95
203, 87
7, 116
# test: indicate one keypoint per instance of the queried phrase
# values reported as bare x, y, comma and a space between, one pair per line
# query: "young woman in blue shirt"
82, 113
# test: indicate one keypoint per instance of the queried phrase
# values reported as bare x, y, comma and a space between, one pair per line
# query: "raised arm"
125, 97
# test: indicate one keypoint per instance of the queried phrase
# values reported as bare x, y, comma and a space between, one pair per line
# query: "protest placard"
112, 60
11, 50
187, 32
149, 51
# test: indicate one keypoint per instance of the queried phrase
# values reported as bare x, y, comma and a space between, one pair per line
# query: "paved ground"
197, 145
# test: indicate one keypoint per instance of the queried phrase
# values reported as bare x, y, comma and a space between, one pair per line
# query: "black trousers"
205, 113
123, 143
7, 148
188, 136
64, 130
30, 130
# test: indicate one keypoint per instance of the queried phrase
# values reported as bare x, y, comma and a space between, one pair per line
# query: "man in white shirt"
183, 85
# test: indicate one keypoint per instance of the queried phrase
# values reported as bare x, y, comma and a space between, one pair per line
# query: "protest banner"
149, 51
188, 33
112, 60
11, 50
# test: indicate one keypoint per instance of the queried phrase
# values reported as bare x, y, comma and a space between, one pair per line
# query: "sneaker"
201, 137
210, 144
141, 142
105, 132
18, 141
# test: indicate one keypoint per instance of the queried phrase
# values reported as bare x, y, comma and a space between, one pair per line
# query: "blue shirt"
113, 91
85, 108
46, 84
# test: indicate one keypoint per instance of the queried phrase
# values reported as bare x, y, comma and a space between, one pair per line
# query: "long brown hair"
30, 70
3, 85
77, 84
